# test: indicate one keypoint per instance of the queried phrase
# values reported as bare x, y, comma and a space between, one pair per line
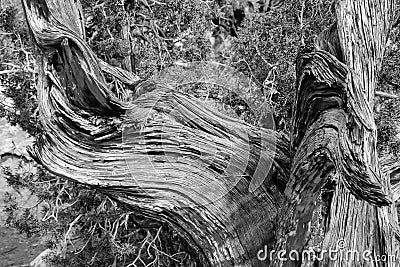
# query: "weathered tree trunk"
172, 158
363, 36
336, 86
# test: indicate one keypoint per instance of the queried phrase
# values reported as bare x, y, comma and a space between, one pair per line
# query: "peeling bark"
341, 109
370, 24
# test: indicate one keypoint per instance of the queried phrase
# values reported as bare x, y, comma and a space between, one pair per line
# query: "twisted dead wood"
163, 152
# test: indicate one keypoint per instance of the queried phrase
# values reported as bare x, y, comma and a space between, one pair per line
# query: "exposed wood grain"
334, 130
363, 28
165, 153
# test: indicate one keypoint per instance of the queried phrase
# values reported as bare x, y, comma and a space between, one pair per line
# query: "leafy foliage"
387, 109
17, 79
160, 32
267, 45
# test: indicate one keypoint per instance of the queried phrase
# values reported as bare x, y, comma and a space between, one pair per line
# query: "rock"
40, 260
13, 141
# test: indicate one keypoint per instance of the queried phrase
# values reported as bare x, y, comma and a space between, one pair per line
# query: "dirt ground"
16, 250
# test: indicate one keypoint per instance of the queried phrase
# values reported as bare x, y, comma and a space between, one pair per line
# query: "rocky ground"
15, 249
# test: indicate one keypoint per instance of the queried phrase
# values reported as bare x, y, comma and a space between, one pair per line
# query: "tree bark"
337, 106
172, 158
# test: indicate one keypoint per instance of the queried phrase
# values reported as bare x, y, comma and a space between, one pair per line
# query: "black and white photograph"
199, 133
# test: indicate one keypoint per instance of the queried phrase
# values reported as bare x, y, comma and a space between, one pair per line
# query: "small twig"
153, 241
392, 83
25, 52
92, 229
159, 3
147, 5
301, 17
11, 65
70, 229
32, 207
253, 77
8, 251
9, 71
109, 32
262, 57
388, 95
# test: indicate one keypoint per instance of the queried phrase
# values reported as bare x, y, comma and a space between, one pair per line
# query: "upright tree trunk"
172, 158
337, 104
363, 31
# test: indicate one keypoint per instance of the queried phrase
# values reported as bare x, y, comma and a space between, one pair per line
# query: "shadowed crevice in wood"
321, 106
